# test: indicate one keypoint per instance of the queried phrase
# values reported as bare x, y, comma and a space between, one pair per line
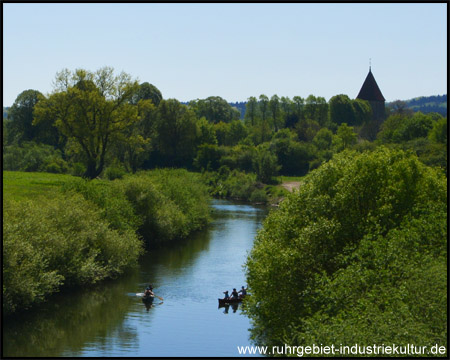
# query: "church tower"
372, 93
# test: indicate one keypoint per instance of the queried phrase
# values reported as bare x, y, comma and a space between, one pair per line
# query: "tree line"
106, 124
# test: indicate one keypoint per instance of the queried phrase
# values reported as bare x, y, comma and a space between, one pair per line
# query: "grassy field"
290, 178
24, 185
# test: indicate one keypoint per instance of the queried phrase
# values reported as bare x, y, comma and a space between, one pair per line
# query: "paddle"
142, 294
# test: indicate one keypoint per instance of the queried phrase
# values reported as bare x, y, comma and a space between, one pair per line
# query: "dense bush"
231, 184
113, 205
170, 203
343, 258
30, 156
58, 241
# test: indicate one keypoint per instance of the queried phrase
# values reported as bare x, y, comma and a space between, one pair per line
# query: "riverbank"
61, 231
242, 186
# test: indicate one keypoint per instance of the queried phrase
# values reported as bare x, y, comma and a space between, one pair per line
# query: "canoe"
147, 299
229, 301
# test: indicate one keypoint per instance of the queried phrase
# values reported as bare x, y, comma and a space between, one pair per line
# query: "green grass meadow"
19, 185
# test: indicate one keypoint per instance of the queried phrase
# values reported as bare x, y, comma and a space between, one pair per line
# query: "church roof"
370, 90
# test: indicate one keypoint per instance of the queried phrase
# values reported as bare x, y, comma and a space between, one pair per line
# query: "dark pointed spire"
370, 90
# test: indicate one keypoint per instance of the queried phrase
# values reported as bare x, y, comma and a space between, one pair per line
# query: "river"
110, 320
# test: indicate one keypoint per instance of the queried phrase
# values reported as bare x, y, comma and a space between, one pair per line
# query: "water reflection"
68, 321
226, 307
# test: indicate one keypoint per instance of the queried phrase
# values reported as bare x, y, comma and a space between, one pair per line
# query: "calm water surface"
111, 320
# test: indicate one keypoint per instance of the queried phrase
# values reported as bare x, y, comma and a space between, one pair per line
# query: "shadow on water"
68, 321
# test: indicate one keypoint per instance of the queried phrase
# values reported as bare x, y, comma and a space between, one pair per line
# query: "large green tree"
20, 121
176, 132
147, 91
91, 109
215, 109
341, 110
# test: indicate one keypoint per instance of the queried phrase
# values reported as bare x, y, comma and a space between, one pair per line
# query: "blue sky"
235, 51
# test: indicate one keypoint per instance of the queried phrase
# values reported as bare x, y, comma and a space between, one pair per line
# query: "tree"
316, 108
176, 132
415, 126
214, 109
134, 143
341, 110
147, 91
399, 107
306, 129
347, 135
20, 116
265, 164
362, 111
207, 134
274, 106
91, 108
263, 106
323, 139
251, 110
298, 106
439, 131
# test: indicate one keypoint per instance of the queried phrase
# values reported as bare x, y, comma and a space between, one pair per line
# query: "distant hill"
427, 104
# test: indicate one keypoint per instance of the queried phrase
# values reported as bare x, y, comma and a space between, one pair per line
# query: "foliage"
208, 157
48, 243
230, 133
30, 156
169, 203
176, 132
147, 91
20, 125
258, 196
400, 128
265, 164
439, 131
346, 134
293, 156
113, 206
341, 110
347, 253
233, 184
90, 108
214, 109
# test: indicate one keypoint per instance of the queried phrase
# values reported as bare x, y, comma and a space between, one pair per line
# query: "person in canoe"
243, 292
234, 294
149, 291
226, 296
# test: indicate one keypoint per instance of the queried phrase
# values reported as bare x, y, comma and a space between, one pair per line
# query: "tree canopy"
90, 108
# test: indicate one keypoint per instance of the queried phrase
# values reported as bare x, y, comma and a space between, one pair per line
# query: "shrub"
258, 196
33, 157
115, 172
113, 205
78, 169
170, 203
58, 241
